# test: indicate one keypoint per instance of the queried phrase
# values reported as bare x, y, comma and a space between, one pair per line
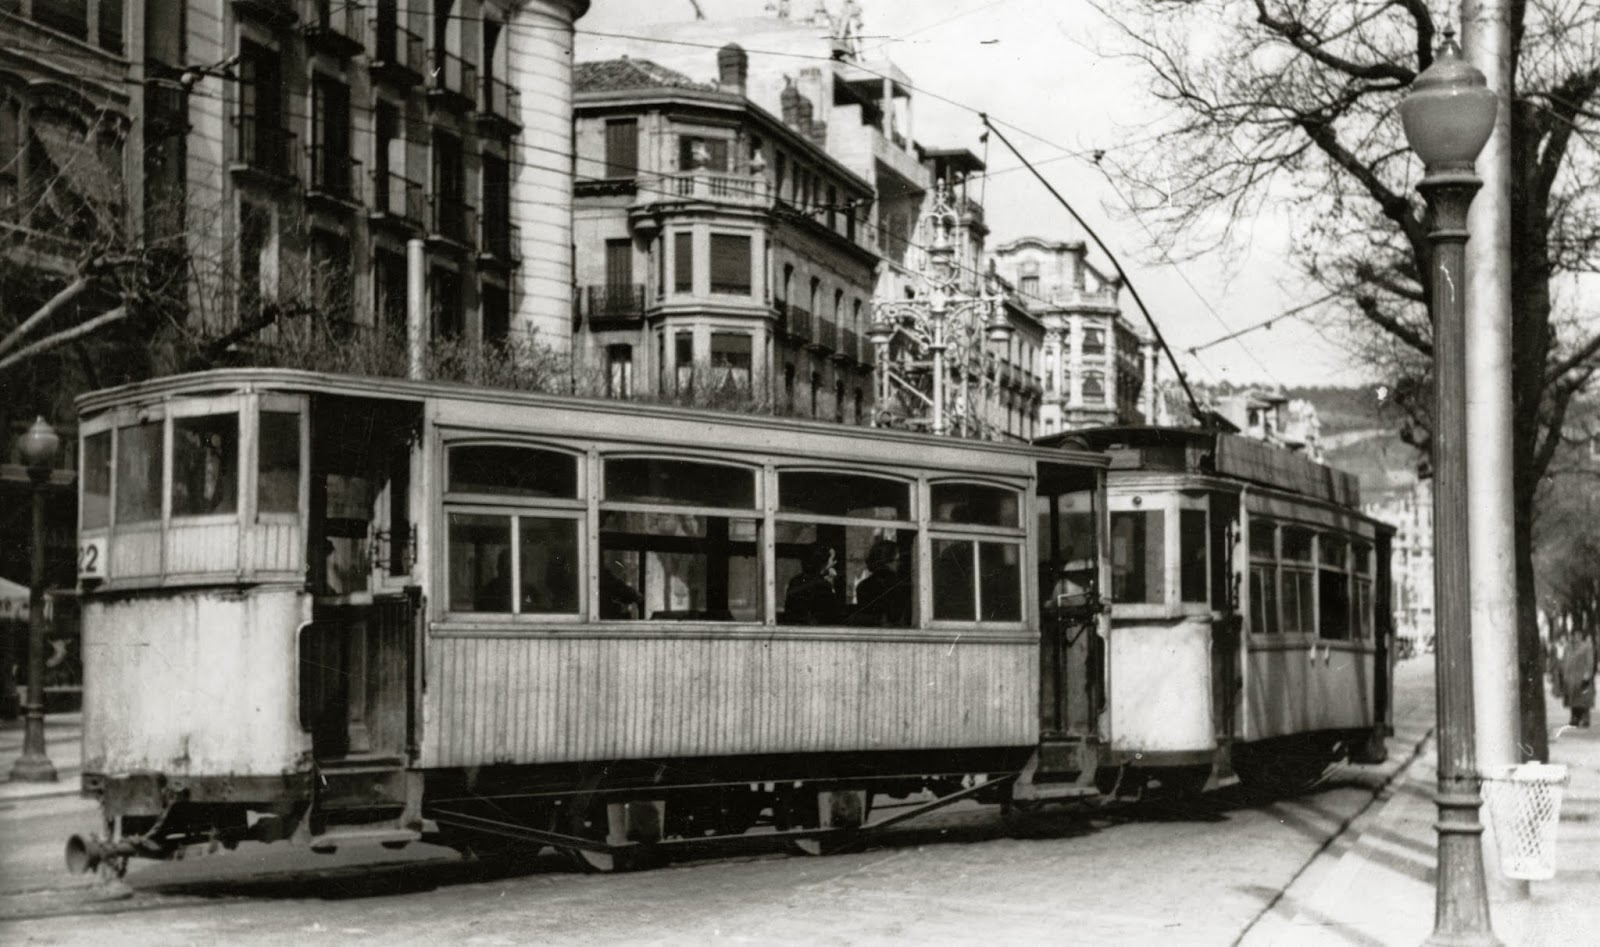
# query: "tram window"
278, 463
503, 470
1264, 579
840, 494
139, 473
480, 563
680, 566
873, 580
954, 595
1138, 557
547, 576
1299, 602
1000, 581
205, 465
1192, 555
1333, 589
974, 504
97, 480
679, 482
1361, 599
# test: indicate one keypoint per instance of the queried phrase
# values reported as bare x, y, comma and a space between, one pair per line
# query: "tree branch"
1306, 40
65, 335
1411, 337
66, 295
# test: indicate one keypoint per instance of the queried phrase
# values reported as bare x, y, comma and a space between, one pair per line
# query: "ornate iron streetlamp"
38, 448
1448, 116
931, 349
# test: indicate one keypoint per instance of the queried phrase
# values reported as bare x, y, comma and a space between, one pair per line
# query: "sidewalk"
1376, 887
63, 741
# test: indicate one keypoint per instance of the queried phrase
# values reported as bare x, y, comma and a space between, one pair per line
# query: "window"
730, 359
205, 465
449, 319
65, 16
1296, 581
1333, 588
1067, 523
619, 269
96, 492
1361, 603
683, 351
389, 286
622, 148
730, 264
1138, 556
330, 287
1028, 286
1094, 341
255, 247
495, 302
788, 385
1264, 579
683, 262
1094, 387
497, 206
1192, 539
816, 391
679, 540
262, 142
278, 463
859, 407
976, 579
330, 136
512, 519
140, 469
619, 371
838, 401
449, 187
833, 208
702, 154
862, 525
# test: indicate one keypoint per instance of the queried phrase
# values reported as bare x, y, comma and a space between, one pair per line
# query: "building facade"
721, 249
1095, 369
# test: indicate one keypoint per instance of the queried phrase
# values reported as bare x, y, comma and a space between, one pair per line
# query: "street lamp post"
38, 448
1448, 116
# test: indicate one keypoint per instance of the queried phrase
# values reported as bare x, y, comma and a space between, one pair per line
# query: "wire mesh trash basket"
1524, 808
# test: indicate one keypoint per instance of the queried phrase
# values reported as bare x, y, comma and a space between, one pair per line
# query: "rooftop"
609, 75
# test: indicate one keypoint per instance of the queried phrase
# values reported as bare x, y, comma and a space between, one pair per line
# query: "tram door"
358, 657
1227, 623
1072, 653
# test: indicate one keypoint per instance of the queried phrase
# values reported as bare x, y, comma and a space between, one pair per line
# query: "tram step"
360, 787
388, 836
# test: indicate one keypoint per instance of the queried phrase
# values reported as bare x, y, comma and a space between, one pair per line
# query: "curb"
1269, 926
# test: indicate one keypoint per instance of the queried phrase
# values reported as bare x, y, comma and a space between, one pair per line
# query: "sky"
1036, 64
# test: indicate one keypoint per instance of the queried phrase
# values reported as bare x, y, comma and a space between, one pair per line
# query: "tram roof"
1200, 450
234, 380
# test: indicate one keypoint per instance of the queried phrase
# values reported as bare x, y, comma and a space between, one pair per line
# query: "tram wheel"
587, 818
818, 845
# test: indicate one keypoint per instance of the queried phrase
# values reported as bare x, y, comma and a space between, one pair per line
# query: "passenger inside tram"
812, 597
883, 596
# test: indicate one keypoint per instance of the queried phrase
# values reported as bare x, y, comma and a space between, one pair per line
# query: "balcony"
451, 221
970, 210
453, 81
333, 176
273, 13
799, 324
336, 28
849, 347
500, 107
398, 201
617, 304
740, 189
396, 52
826, 338
265, 151
501, 242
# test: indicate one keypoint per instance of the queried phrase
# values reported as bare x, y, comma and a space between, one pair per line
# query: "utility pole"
1486, 43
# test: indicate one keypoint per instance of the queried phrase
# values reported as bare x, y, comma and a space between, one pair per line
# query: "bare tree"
1290, 104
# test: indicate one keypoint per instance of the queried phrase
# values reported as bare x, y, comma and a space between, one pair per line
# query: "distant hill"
1343, 409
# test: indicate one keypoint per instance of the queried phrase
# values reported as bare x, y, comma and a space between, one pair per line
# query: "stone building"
1095, 369
719, 244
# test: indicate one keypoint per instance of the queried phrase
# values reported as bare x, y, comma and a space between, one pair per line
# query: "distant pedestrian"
1577, 677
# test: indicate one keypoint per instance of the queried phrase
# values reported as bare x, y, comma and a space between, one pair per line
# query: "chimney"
733, 68
803, 115
790, 100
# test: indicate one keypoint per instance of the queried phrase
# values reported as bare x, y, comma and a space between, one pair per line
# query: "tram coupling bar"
85, 854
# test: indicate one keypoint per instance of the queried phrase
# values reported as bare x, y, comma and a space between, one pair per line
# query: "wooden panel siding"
197, 548
556, 699
275, 547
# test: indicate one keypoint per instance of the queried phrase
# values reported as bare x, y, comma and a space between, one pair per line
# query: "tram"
320, 608
1251, 633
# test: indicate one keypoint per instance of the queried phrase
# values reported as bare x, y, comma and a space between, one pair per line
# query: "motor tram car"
1251, 632
320, 608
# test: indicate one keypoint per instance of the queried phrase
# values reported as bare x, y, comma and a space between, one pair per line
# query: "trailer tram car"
1251, 632
319, 608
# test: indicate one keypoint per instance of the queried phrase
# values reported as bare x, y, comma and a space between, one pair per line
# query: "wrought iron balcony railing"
264, 147
399, 198
333, 174
618, 301
396, 51
452, 80
500, 103
501, 239
452, 220
336, 27
799, 323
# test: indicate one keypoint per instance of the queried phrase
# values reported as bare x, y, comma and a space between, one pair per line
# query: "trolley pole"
1448, 115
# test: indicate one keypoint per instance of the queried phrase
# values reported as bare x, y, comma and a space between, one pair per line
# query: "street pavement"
1350, 864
